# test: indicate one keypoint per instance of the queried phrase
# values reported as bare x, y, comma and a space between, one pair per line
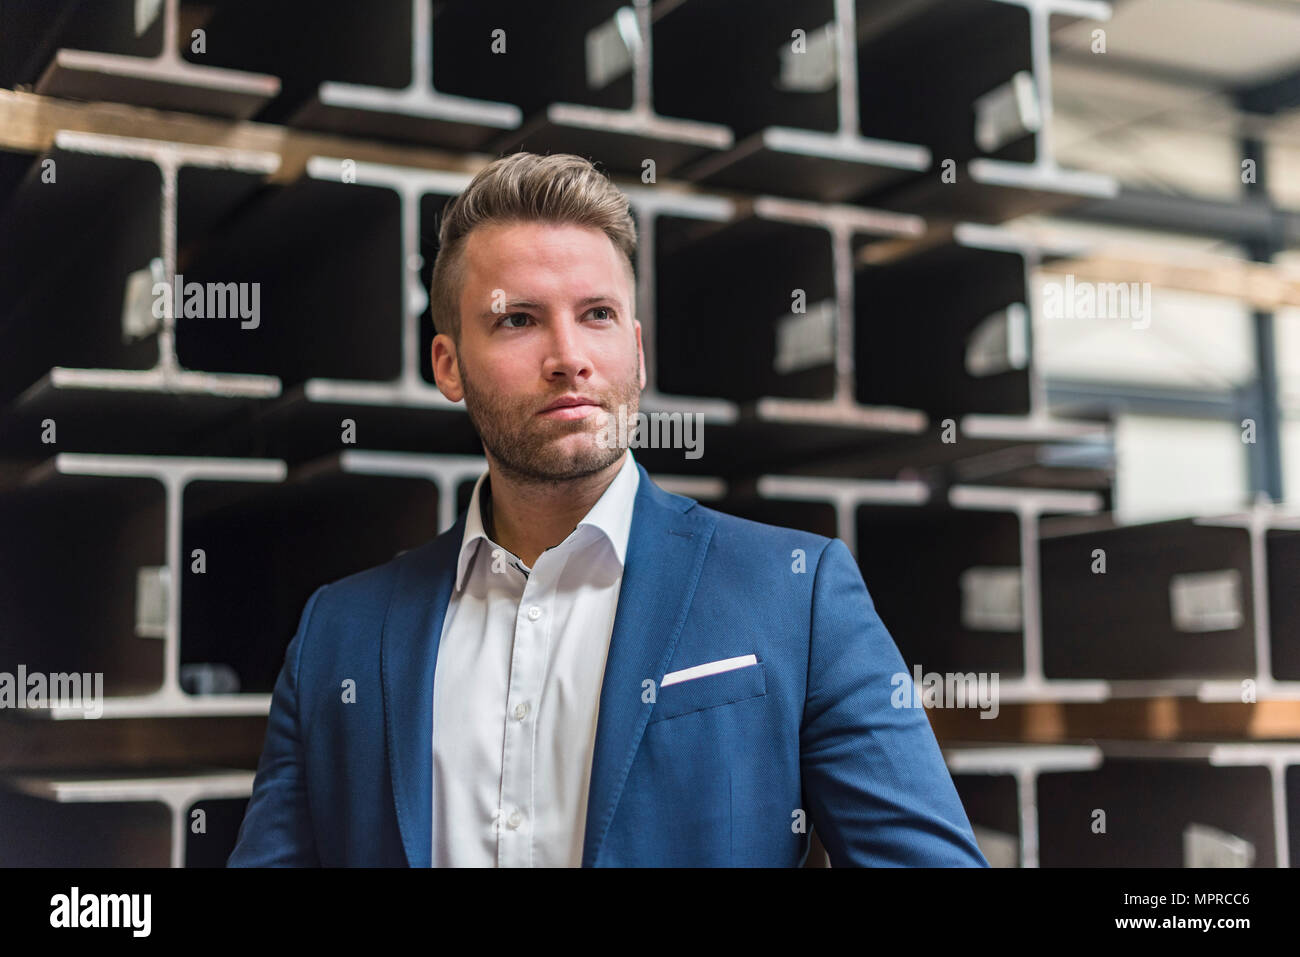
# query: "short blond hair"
559, 188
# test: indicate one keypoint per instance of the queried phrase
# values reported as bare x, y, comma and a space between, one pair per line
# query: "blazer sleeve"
875, 783
277, 827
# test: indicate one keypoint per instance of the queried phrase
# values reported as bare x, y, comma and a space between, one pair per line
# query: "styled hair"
558, 188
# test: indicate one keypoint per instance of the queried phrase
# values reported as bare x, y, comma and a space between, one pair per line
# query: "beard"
536, 449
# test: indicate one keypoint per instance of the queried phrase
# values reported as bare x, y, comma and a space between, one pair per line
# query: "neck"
528, 516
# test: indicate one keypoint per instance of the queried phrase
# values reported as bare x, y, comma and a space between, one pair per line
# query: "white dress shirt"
516, 689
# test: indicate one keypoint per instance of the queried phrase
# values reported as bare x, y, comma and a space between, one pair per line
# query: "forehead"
542, 257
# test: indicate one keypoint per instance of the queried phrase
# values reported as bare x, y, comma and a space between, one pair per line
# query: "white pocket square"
708, 668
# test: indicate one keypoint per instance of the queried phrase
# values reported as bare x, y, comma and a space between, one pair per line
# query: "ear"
446, 372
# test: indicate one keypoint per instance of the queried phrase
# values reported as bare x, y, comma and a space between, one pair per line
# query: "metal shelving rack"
824, 177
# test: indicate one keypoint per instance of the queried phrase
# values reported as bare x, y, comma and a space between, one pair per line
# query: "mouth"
579, 411
571, 408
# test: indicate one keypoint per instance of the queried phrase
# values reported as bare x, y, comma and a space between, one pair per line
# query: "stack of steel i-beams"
825, 285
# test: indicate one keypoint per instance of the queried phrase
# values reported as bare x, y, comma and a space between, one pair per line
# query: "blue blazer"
731, 769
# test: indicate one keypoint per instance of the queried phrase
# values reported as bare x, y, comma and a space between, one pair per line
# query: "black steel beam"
1238, 222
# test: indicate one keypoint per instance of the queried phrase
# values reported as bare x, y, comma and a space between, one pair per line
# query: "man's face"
546, 313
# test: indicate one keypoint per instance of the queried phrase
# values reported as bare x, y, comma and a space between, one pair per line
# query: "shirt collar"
611, 515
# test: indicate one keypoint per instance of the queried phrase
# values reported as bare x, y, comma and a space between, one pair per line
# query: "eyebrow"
530, 304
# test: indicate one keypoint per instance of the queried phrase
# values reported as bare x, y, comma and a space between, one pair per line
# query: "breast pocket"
709, 691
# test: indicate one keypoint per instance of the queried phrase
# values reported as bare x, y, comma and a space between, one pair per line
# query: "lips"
571, 408
575, 402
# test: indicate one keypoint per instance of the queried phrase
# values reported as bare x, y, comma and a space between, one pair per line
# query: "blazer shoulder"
743, 535
738, 538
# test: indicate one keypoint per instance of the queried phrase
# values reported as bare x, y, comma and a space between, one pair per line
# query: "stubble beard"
525, 444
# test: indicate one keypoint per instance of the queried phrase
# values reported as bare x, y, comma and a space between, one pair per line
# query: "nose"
567, 351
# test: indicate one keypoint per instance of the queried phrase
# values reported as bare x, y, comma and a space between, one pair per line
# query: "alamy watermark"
212, 300
654, 430
80, 691
1081, 299
74, 909
948, 690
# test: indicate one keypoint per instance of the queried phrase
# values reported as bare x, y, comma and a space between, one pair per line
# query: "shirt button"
515, 819
521, 710
534, 613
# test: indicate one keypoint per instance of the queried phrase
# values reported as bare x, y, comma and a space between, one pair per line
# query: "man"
587, 670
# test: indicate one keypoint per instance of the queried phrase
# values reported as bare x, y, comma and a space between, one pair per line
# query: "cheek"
508, 366
620, 355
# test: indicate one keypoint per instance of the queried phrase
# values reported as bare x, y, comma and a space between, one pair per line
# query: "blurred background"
1003, 293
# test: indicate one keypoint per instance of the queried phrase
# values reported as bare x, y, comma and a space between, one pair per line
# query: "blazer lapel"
665, 555
408, 654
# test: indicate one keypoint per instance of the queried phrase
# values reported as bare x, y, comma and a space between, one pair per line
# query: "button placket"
527, 672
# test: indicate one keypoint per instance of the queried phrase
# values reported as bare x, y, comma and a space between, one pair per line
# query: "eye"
503, 321
609, 313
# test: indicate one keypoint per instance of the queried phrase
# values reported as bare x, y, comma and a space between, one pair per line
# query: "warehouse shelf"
729, 289
800, 120
367, 71
987, 105
1165, 804
844, 120
1196, 606
1006, 824
1086, 463
981, 387
795, 115
123, 236
1244, 222
720, 283
166, 819
1282, 759
982, 315
1170, 805
73, 540
124, 619
123, 350
582, 74
823, 508
1275, 601
119, 50
318, 254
